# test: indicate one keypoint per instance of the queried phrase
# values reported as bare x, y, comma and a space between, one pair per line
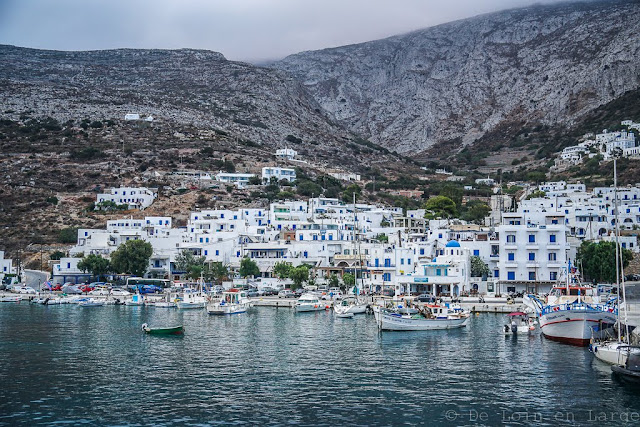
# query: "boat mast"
617, 235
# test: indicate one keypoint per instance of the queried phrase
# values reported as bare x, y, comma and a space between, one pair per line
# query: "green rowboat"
174, 330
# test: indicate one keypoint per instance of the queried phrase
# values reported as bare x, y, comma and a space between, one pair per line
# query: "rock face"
549, 64
182, 86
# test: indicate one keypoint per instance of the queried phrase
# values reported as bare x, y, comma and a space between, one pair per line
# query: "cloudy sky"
248, 30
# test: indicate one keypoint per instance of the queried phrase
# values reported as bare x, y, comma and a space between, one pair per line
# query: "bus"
147, 286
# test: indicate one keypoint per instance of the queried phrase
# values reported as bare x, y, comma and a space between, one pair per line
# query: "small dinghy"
630, 371
345, 315
174, 330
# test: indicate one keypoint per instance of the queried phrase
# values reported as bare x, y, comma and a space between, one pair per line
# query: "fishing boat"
350, 305
172, 330
519, 322
430, 317
572, 313
308, 302
192, 298
233, 301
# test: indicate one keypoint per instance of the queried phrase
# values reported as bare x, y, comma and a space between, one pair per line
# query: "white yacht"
309, 302
350, 305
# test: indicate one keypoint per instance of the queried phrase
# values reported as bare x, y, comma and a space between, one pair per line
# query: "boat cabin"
233, 296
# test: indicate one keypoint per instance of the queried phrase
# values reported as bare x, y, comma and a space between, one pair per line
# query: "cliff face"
192, 87
549, 64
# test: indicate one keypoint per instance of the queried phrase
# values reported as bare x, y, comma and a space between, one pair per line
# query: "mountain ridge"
410, 91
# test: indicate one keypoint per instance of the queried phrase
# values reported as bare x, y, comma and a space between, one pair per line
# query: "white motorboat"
90, 302
431, 317
10, 299
309, 302
136, 299
519, 323
350, 305
233, 301
192, 299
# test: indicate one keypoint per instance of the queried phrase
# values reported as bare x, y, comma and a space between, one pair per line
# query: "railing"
579, 307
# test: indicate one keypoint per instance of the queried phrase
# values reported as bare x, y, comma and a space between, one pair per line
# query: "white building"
133, 197
240, 180
345, 176
6, 265
286, 154
278, 173
534, 251
132, 116
447, 274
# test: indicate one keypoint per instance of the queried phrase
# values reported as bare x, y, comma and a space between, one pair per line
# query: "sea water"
72, 365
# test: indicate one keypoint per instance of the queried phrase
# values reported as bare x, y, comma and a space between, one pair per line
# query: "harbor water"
69, 364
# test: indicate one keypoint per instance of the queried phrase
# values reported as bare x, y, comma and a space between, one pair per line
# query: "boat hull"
392, 322
353, 309
177, 330
613, 353
308, 308
190, 305
625, 374
227, 309
574, 326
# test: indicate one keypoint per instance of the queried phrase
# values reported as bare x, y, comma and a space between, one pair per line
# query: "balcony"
532, 246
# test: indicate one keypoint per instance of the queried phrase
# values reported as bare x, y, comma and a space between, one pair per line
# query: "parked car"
286, 293
298, 292
269, 291
70, 288
56, 287
86, 288
252, 292
27, 290
100, 290
426, 298
119, 292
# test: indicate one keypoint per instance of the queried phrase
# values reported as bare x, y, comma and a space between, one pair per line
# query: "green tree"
132, 257
334, 282
598, 260
216, 272
299, 275
193, 266
478, 267
440, 207
282, 269
349, 279
476, 211
248, 267
382, 238
308, 188
347, 194
57, 255
95, 264
68, 235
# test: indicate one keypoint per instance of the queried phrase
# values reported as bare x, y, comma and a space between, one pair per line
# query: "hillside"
453, 83
185, 87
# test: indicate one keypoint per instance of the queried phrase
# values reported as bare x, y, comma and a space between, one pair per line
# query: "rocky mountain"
455, 82
193, 87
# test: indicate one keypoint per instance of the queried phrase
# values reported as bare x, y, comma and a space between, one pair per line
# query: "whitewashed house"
133, 197
278, 173
286, 154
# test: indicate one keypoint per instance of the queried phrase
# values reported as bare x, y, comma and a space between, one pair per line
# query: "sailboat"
352, 305
616, 351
